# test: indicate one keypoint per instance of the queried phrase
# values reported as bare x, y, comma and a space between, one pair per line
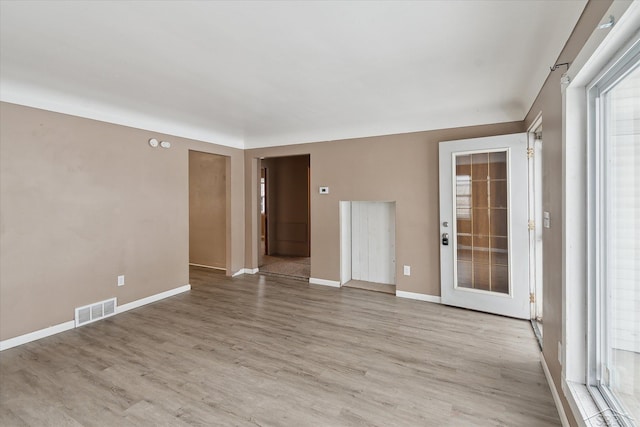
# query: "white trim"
581, 404
71, 324
44, 99
245, 271
602, 45
536, 123
36, 335
419, 297
324, 282
346, 248
602, 48
208, 266
153, 298
554, 392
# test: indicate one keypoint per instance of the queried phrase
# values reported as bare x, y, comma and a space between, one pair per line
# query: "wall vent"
96, 311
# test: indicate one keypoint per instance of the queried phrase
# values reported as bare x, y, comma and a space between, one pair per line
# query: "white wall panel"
373, 241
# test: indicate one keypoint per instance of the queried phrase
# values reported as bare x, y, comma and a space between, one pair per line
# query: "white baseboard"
71, 324
208, 266
36, 335
245, 271
324, 282
419, 297
556, 397
153, 298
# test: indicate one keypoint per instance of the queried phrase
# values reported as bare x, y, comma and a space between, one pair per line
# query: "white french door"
484, 237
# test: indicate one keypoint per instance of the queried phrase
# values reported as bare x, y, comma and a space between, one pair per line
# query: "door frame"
264, 175
536, 218
257, 165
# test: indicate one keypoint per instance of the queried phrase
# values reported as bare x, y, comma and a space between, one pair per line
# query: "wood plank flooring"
266, 351
371, 286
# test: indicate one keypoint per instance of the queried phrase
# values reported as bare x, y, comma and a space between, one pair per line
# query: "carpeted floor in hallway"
297, 267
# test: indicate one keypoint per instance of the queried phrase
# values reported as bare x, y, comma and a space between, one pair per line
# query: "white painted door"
484, 242
373, 242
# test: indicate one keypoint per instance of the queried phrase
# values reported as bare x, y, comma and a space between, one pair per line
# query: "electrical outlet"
407, 270
546, 220
121, 280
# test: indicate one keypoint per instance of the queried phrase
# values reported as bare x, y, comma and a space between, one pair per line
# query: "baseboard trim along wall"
36, 335
153, 298
324, 282
207, 266
245, 271
71, 324
419, 297
556, 397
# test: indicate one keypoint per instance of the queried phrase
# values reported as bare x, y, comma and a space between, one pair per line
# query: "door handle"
445, 239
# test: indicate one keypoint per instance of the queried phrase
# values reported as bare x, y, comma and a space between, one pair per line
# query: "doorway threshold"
299, 267
371, 286
284, 276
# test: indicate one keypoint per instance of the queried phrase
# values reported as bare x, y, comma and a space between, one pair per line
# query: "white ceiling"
253, 74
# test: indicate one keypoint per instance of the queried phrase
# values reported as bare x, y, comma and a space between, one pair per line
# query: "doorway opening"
537, 221
208, 211
285, 216
368, 245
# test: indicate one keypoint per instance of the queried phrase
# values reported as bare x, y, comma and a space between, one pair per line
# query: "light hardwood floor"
371, 286
258, 350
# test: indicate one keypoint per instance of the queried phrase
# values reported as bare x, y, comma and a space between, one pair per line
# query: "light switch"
324, 190
120, 280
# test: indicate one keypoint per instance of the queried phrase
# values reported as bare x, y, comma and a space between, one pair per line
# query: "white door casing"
515, 302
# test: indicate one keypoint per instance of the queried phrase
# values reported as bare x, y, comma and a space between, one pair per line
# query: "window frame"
604, 47
598, 211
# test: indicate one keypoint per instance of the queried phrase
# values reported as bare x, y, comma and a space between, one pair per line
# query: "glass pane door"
481, 209
483, 222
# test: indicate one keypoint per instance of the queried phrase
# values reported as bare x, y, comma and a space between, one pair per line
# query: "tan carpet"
299, 267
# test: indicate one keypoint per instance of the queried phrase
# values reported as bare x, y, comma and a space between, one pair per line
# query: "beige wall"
404, 168
288, 205
401, 168
549, 103
207, 209
82, 202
